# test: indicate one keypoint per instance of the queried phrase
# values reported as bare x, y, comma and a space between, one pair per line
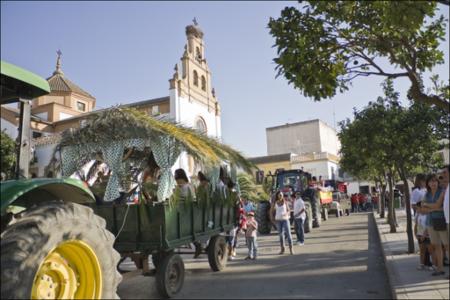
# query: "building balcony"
301, 158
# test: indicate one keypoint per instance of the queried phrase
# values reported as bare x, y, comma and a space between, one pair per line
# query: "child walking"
250, 235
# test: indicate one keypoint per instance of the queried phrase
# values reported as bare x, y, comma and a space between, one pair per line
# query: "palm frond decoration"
125, 123
249, 189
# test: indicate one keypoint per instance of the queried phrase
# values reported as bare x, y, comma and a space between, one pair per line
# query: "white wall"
303, 137
317, 168
44, 154
294, 138
329, 141
189, 112
43, 115
11, 129
353, 186
63, 116
186, 113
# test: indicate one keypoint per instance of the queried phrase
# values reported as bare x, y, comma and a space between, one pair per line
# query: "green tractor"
60, 241
288, 182
52, 244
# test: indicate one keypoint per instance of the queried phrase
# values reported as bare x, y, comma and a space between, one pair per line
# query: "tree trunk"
391, 216
409, 230
382, 201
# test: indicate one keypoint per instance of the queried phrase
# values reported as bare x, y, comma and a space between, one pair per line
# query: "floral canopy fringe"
108, 134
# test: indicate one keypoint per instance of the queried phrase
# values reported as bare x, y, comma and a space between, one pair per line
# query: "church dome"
59, 83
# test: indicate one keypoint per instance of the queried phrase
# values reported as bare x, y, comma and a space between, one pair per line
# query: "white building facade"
314, 136
191, 102
314, 143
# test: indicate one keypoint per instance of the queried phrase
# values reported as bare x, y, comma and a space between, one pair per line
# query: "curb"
389, 270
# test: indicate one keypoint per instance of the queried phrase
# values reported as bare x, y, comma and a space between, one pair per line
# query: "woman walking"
282, 214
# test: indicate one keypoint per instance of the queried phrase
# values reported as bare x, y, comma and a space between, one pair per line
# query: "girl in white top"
282, 213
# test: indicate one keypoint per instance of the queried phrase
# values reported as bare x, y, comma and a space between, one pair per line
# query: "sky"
123, 52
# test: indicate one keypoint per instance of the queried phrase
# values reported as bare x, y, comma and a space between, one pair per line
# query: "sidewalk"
406, 282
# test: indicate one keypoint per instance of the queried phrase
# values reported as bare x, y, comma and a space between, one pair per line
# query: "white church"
191, 101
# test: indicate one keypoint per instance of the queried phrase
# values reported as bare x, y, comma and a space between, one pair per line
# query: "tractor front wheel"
58, 251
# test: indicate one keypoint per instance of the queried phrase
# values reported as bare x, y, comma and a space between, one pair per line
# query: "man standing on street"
354, 200
299, 218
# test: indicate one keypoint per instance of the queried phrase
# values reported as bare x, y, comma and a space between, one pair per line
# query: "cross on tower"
195, 21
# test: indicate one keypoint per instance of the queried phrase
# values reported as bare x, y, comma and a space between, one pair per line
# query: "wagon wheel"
158, 257
170, 275
217, 253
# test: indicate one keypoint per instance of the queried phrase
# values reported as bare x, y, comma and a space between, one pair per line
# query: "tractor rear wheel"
308, 221
263, 218
58, 250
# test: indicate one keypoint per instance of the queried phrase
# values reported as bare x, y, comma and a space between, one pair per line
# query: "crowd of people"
364, 202
281, 214
430, 206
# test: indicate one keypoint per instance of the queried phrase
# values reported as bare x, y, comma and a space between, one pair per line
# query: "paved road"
341, 259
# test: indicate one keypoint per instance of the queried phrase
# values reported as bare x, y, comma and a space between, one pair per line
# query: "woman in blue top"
433, 195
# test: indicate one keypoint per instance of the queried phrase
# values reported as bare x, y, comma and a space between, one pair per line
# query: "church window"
81, 106
200, 125
198, 54
203, 83
195, 78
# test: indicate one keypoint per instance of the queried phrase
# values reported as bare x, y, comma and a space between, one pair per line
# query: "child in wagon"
251, 227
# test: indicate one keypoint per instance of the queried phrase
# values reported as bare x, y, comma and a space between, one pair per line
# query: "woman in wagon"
150, 180
203, 189
183, 189
202, 194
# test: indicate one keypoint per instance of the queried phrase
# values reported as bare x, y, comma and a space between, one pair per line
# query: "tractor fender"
26, 192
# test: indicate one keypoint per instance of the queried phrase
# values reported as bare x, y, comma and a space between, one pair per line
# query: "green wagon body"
147, 228
158, 227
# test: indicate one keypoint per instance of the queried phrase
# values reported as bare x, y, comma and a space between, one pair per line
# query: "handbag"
439, 223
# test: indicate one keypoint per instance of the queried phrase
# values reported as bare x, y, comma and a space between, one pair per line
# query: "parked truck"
341, 201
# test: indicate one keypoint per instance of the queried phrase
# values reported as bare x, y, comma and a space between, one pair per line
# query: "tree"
366, 149
7, 154
324, 46
395, 140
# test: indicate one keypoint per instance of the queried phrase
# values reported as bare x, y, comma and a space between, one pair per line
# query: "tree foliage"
388, 140
249, 189
7, 154
324, 45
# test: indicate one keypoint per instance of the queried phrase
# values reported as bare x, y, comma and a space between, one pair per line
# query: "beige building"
269, 164
191, 101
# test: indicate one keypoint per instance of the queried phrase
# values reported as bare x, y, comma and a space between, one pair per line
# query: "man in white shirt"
419, 191
299, 218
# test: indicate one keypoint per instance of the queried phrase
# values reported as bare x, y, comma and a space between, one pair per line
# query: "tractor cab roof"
19, 83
